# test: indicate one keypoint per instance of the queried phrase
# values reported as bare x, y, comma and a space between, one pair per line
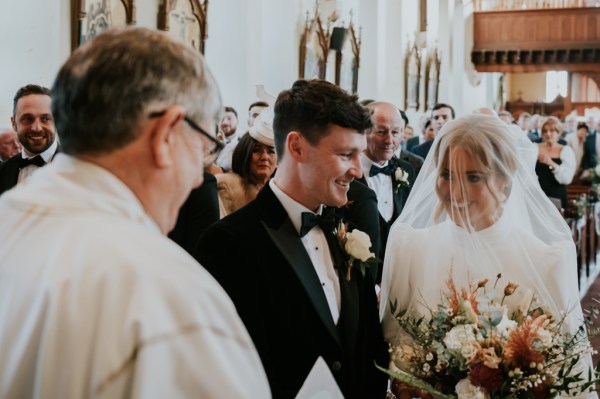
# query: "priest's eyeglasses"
212, 146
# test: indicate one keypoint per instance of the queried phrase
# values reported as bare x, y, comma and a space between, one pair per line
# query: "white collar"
367, 162
46, 155
293, 208
234, 137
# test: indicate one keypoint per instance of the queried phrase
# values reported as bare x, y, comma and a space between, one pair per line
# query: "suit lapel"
397, 194
280, 229
10, 174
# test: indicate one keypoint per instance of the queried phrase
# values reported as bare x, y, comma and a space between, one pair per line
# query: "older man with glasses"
94, 300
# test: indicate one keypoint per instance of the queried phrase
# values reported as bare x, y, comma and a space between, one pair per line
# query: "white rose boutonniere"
466, 390
356, 246
400, 178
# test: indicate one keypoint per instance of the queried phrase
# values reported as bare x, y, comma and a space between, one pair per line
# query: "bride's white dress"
529, 243
419, 262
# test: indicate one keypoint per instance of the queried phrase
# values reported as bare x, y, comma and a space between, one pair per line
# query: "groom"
291, 292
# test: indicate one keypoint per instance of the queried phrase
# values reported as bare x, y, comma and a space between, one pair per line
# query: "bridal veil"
476, 210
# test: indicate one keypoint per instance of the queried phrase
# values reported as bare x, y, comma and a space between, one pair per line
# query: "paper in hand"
320, 383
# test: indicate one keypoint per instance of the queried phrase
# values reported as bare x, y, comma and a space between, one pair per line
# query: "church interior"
534, 58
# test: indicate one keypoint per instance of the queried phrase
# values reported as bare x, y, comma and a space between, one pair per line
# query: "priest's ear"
161, 134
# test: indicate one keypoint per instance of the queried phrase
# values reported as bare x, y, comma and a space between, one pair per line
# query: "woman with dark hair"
254, 161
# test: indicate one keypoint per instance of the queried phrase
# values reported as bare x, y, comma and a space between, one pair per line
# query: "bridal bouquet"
473, 345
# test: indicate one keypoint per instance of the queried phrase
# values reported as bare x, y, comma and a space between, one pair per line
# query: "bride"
476, 210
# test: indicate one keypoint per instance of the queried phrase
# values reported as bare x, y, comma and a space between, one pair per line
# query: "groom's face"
327, 168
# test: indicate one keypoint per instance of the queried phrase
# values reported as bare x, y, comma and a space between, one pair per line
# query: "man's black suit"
412, 143
199, 211
413, 159
400, 195
423, 149
589, 159
257, 256
9, 172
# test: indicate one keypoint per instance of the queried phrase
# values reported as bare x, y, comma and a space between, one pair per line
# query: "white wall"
256, 42
34, 43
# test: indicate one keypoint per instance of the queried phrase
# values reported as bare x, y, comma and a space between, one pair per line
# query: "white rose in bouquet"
544, 336
358, 245
466, 390
460, 335
470, 350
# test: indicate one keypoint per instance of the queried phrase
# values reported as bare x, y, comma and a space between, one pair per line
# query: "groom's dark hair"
310, 107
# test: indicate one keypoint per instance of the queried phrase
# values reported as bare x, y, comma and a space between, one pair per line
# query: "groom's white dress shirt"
316, 245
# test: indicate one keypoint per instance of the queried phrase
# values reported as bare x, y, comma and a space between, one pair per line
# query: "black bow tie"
37, 161
386, 170
327, 222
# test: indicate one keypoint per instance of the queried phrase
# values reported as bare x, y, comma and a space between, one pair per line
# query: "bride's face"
468, 191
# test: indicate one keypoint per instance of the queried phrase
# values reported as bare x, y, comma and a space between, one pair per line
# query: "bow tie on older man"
386, 170
24, 162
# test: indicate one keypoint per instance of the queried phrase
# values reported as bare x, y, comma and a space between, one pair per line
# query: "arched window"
556, 83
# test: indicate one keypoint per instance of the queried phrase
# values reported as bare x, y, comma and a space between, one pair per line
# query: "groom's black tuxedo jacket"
9, 172
399, 197
258, 257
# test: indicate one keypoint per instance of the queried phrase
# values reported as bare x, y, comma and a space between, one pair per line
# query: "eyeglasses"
211, 149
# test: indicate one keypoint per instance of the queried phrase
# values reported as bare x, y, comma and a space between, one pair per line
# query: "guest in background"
401, 152
253, 163
389, 177
409, 132
418, 138
524, 121
591, 150
576, 140
556, 164
9, 143
506, 117
440, 115
570, 125
198, 212
33, 121
534, 132
95, 300
254, 110
593, 123
229, 124
403, 139
228, 133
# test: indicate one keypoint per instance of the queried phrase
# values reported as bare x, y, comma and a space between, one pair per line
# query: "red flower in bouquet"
486, 378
